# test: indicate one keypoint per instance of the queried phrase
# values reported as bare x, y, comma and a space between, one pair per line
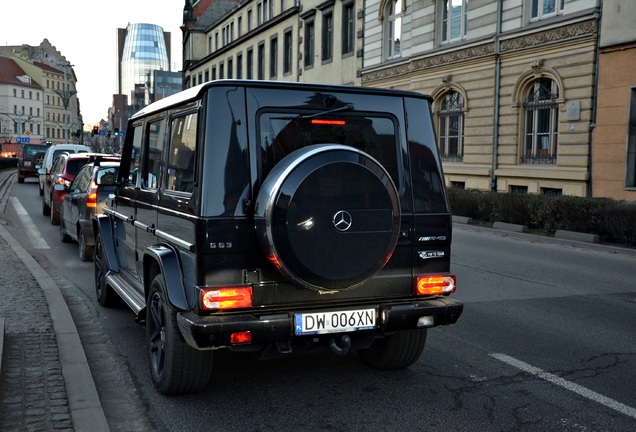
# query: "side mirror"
58, 187
41, 171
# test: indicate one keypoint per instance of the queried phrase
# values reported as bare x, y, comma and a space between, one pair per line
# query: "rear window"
31, 151
281, 133
74, 165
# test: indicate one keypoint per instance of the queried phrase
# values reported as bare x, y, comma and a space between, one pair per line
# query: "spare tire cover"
328, 217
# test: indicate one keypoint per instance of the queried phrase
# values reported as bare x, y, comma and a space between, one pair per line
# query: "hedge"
613, 221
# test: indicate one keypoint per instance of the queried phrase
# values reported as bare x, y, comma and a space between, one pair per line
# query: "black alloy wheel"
104, 293
175, 367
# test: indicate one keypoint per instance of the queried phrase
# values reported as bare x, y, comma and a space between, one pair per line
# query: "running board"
133, 298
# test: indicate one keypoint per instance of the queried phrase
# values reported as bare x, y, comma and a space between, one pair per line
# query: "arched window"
393, 28
451, 127
541, 122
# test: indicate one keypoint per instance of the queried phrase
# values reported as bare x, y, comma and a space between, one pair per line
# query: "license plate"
27, 163
335, 321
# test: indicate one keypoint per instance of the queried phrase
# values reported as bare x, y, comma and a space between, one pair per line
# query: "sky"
85, 32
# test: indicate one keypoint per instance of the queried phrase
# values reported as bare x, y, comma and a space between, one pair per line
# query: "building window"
288, 53
209, 44
454, 20
206, 74
348, 28
239, 25
541, 122
451, 127
515, 189
393, 29
630, 168
260, 74
310, 36
250, 63
213, 73
273, 57
249, 20
239, 66
221, 71
541, 9
230, 68
216, 40
327, 36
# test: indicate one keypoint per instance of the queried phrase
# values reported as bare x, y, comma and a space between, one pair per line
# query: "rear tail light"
435, 284
91, 197
223, 298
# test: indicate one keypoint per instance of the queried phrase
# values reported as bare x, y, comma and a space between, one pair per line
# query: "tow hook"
342, 350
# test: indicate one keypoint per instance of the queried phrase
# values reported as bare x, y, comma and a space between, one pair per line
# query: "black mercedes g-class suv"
278, 218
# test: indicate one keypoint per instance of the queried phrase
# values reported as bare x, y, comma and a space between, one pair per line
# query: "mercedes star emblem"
342, 220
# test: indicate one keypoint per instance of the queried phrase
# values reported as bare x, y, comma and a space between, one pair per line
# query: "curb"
83, 400
2, 328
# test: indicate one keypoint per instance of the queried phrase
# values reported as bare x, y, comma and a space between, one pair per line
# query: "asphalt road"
547, 342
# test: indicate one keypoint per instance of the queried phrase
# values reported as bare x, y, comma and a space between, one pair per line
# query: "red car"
63, 171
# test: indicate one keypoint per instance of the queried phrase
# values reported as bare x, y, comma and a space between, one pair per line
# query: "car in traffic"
84, 199
51, 153
279, 218
64, 169
29, 158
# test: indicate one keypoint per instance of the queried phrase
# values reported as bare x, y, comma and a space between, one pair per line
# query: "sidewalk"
45, 381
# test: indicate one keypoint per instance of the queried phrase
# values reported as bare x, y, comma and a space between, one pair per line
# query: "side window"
83, 179
135, 164
181, 160
153, 156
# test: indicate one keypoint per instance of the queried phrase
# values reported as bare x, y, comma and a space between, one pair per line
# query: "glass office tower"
144, 50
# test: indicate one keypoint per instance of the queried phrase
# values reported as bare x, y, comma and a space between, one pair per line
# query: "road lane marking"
32, 232
580, 390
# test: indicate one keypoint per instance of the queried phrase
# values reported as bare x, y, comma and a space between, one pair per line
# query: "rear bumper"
214, 331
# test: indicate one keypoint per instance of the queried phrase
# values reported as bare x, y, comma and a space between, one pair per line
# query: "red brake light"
435, 284
241, 338
328, 122
226, 298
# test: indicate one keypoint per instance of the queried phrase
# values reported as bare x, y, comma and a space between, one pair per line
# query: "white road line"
580, 390
32, 232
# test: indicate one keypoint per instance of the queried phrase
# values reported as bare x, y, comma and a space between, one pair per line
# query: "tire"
175, 367
40, 188
85, 251
328, 217
104, 293
46, 210
20, 179
38, 159
396, 351
55, 215
64, 238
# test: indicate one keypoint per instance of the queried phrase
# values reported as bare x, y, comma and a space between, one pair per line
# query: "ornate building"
289, 40
513, 82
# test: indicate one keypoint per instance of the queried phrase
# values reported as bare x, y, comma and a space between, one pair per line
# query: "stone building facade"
513, 82
287, 40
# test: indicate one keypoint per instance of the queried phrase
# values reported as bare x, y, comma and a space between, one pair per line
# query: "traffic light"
116, 131
95, 131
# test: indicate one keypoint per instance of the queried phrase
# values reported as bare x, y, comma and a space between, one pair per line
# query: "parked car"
29, 157
51, 153
63, 171
279, 219
84, 199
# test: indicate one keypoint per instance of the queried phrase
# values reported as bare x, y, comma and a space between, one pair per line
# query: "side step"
133, 298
